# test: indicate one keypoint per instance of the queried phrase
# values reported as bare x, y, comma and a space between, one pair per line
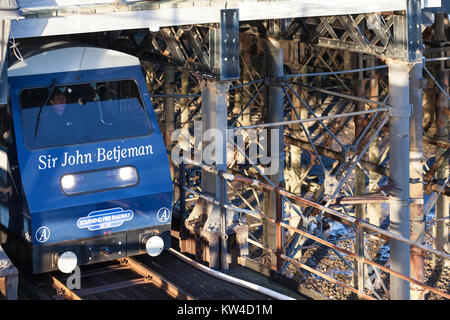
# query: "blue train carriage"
84, 171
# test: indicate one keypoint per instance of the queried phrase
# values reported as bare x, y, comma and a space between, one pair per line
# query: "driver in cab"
60, 121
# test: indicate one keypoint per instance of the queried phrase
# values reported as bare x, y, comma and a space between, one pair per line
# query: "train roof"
71, 59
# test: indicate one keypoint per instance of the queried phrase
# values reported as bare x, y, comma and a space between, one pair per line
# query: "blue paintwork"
47, 203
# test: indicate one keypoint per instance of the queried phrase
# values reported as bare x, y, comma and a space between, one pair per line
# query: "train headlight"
154, 246
67, 262
99, 180
127, 173
68, 181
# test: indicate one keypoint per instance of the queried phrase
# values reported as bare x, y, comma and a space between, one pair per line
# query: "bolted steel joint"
401, 112
274, 81
416, 181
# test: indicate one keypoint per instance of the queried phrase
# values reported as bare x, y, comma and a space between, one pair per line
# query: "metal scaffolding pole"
442, 79
360, 177
169, 105
416, 159
399, 174
374, 211
185, 101
275, 113
169, 111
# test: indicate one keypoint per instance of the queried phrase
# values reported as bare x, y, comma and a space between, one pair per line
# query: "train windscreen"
81, 113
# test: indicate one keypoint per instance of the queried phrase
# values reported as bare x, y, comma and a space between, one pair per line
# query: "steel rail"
148, 276
230, 279
156, 279
112, 286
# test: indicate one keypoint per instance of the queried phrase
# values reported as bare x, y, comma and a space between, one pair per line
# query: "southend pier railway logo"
104, 219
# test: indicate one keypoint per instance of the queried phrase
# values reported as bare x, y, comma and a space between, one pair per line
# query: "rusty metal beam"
443, 157
439, 142
361, 199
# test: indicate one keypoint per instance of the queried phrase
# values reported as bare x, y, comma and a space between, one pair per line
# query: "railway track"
165, 277
123, 278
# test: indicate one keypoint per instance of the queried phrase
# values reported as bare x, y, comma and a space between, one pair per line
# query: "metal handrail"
360, 224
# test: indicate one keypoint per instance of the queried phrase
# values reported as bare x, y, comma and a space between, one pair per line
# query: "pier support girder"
274, 113
416, 158
218, 222
399, 174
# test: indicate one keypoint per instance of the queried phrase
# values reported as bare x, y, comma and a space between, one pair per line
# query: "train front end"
92, 164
